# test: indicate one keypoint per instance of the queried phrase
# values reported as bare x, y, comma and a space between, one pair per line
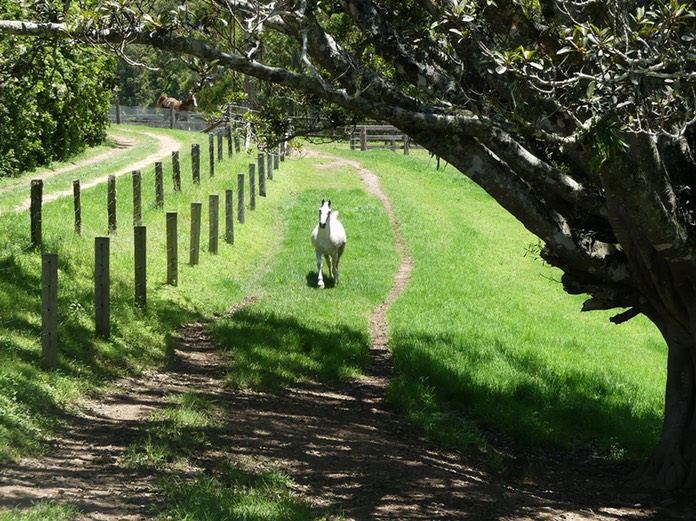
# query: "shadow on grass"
33, 401
540, 405
270, 351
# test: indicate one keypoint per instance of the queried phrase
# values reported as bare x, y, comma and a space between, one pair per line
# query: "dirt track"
167, 145
342, 447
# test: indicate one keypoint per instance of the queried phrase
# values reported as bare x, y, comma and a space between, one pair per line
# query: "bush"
55, 96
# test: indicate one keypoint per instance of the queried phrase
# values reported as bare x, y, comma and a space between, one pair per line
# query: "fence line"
102, 249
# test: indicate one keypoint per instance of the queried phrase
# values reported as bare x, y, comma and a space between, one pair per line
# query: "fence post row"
102, 284
49, 311
77, 206
102, 244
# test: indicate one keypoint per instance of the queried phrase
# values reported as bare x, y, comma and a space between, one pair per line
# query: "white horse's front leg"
329, 264
320, 282
335, 269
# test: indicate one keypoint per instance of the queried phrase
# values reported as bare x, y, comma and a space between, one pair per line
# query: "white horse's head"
324, 213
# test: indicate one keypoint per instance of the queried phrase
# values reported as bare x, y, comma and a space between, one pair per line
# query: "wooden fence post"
117, 104
102, 285
140, 233
196, 163
195, 245
36, 211
363, 139
159, 185
262, 175
219, 146
172, 250
252, 186
77, 205
211, 153
176, 171
407, 142
228, 131
276, 160
171, 115
213, 222
269, 165
137, 198
49, 311
111, 203
229, 216
240, 198
237, 146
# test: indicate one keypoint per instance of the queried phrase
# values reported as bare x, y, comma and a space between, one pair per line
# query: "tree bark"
673, 463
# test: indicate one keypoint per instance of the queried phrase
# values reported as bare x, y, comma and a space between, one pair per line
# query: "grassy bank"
484, 336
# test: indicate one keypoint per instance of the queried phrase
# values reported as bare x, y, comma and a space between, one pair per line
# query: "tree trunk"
673, 463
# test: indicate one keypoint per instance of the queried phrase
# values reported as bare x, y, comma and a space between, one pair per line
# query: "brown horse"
181, 108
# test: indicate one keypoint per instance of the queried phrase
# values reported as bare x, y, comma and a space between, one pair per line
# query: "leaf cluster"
55, 94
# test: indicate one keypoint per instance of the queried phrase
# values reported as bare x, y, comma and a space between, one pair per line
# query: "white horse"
329, 239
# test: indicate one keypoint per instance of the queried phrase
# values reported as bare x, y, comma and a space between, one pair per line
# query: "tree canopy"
577, 117
55, 94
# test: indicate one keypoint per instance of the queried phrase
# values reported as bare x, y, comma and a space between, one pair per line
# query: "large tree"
576, 116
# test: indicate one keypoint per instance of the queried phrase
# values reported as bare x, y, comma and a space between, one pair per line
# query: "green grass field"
484, 338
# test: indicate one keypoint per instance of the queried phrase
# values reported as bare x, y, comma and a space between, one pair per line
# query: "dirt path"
167, 145
342, 447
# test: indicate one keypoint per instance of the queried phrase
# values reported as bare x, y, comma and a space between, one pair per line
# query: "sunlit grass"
59, 177
237, 495
44, 511
485, 332
298, 332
